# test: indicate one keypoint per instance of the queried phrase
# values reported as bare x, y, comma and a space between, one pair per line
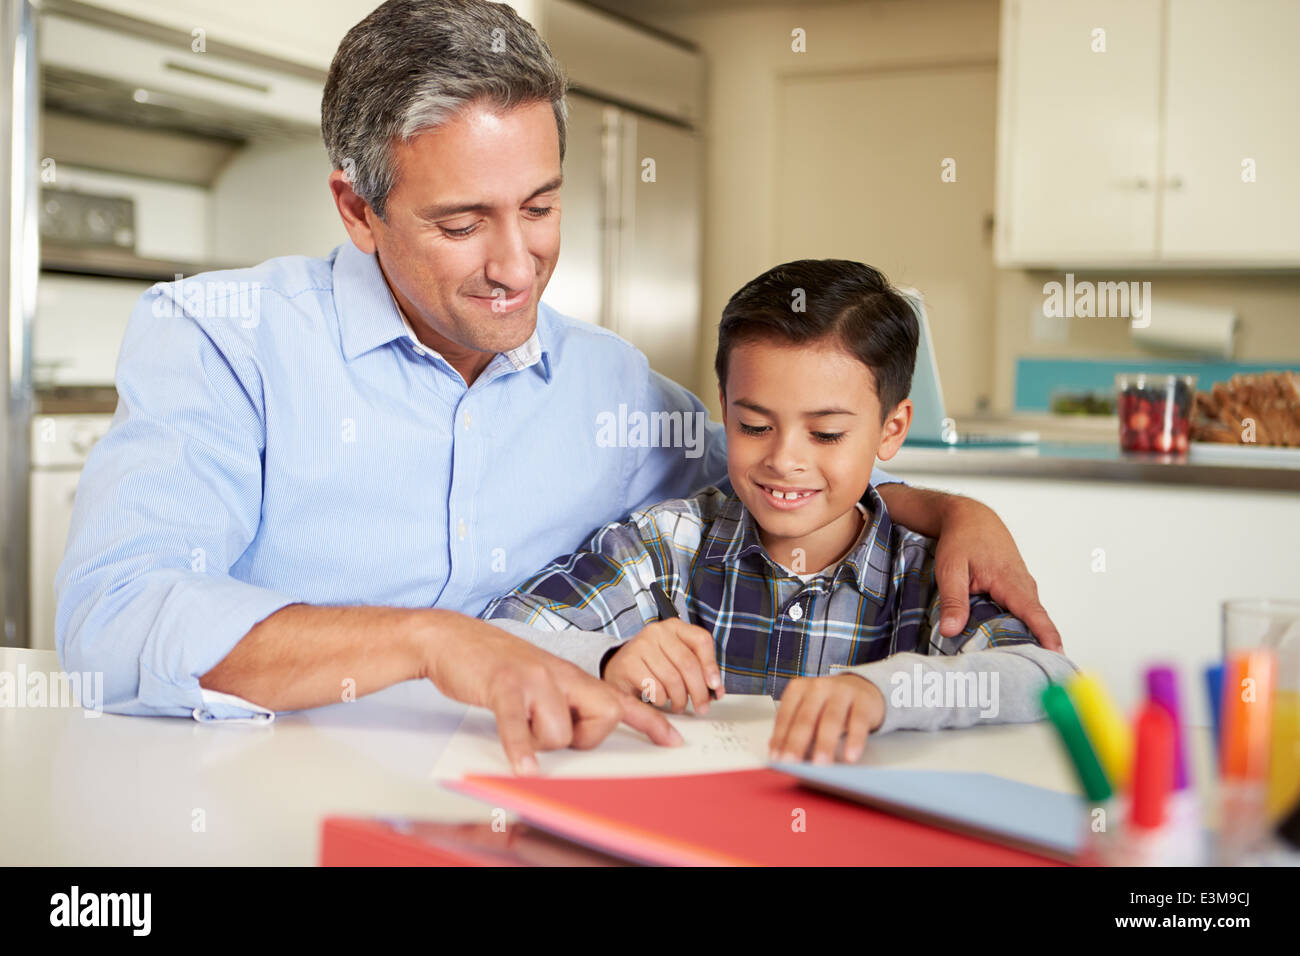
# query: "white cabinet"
1233, 103
300, 31
1077, 130
1123, 127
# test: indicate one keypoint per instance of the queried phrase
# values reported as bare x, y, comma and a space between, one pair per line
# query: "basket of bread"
1259, 409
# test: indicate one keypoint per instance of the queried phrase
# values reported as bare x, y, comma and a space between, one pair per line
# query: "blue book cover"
1000, 809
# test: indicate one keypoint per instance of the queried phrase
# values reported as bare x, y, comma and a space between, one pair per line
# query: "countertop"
1077, 449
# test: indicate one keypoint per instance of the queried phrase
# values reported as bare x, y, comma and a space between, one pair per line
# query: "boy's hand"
816, 711
668, 658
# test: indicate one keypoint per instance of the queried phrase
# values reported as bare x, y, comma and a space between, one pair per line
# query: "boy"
794, 582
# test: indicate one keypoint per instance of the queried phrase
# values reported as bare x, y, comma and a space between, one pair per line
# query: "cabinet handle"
1174, 182
1139, 182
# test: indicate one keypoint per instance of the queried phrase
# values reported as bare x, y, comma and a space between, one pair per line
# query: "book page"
733, 736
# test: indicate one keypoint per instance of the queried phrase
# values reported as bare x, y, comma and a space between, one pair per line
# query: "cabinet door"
1233, 98
1078, 131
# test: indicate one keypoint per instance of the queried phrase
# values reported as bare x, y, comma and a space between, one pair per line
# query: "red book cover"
746, 818
356, 841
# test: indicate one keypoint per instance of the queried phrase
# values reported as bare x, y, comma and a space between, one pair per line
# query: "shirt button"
460, 529
419, 349
469, 419
795, 612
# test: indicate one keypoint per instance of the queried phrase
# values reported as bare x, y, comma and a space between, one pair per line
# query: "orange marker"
1247, 715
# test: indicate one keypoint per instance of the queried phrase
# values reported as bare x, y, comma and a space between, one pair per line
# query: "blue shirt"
281, 437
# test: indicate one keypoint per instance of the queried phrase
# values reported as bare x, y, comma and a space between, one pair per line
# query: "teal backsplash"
1038, 379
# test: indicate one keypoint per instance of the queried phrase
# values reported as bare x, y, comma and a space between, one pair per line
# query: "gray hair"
414, 64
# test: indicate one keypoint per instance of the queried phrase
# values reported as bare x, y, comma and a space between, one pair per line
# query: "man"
308, 490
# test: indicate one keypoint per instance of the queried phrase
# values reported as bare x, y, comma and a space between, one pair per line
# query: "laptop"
931, 426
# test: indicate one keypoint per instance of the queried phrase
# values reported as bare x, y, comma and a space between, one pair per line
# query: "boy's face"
804, 420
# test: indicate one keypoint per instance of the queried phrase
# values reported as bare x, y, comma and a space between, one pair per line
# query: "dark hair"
847, 301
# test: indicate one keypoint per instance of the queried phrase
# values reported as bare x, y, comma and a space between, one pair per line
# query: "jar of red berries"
1155, 411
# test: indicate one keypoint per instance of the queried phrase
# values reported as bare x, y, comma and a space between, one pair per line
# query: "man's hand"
975, 554
672, 655
540, 701
816, 711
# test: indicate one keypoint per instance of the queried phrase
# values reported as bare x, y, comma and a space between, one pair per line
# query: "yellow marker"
1284, 767
1108, 732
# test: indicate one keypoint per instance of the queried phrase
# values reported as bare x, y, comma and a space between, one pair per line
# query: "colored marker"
1107, 731
1153, 767
1243, 753
1162, 689
1247, 715
1056, 702
1214, 688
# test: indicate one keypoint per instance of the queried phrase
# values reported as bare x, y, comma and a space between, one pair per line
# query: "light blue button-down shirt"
281, 437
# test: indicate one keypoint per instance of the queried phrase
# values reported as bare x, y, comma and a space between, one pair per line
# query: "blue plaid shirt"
768, 625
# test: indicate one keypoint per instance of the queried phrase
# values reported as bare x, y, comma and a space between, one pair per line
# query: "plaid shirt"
768, 626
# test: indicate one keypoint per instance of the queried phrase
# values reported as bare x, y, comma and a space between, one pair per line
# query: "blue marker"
1214, 687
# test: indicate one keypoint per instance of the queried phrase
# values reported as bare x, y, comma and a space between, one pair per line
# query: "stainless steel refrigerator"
21, 257
630, 241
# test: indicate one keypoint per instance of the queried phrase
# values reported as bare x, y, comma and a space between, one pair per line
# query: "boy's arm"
584, 604
992, 672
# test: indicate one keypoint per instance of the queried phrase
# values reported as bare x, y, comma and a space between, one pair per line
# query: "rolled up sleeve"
168, 501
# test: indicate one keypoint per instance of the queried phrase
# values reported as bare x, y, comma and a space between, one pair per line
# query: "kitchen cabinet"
306, 32
1233, 98
1125, 127
1135, 573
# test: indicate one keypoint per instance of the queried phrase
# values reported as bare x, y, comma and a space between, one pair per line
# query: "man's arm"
169, 500
974, 554
305, 656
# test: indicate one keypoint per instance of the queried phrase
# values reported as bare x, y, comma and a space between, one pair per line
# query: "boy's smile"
804, 431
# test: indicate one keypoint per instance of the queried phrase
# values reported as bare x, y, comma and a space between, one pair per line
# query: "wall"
749, 57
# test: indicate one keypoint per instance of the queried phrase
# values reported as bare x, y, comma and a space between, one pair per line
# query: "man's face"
472, 227
804, 420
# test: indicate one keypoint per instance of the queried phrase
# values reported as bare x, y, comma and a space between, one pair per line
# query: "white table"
113, 790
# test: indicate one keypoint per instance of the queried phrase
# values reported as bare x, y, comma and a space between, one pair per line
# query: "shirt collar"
370, 317
732, 538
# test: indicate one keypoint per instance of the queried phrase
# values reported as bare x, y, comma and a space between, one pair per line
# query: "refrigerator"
20, 254
630, 232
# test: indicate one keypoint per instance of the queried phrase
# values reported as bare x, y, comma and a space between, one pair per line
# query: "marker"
1153, 767
1063, 717
1247, 715
667, 611
1102, 844
1110, 736
1247, 718
1162, 689
1214, 688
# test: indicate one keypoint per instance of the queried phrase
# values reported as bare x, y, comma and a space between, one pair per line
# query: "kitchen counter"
1221, 466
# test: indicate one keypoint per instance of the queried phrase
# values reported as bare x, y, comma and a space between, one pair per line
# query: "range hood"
106, 73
